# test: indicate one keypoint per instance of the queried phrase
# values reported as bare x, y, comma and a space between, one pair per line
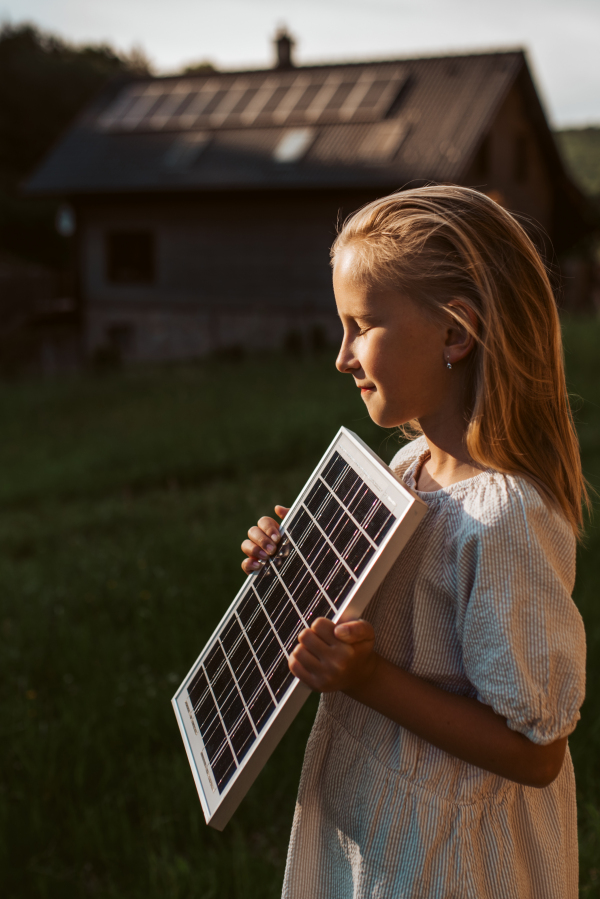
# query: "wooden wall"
511, 141
231, 270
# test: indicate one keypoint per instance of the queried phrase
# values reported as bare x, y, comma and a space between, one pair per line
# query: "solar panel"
339, 540
266, 99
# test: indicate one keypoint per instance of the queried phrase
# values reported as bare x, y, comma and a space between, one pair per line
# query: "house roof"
355, 125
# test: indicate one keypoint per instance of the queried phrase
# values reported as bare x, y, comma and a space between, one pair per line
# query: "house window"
521, 161
130, 257
294, 145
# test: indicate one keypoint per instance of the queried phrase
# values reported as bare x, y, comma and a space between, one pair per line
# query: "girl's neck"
448, 461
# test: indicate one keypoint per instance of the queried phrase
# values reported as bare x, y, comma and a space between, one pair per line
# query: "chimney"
284, 45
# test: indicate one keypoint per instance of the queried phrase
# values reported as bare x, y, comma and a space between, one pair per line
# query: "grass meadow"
123, 500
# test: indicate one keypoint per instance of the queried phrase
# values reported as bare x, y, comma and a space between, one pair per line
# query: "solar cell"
307, 97
258, 102
339, 539
141, 109
244, 100
275, 99
340, 95
168, 106
192, 109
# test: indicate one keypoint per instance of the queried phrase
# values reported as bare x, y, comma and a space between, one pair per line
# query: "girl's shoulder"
494, 499
490, 498
505, 518
493, 509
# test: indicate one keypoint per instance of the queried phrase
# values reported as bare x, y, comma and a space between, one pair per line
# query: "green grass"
582, 341
123, 501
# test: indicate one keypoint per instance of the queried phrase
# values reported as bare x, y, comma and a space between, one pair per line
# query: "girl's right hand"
262, 541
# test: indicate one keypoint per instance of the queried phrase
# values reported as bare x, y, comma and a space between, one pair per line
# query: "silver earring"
448, 365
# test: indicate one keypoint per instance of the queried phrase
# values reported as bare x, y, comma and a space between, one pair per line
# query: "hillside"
581, 151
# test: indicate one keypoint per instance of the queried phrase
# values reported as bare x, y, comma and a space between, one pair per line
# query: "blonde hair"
444, 243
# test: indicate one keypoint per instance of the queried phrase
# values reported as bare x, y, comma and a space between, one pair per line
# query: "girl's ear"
460, 335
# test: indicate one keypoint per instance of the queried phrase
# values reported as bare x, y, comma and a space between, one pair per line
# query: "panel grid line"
225, 728
349, 513
235, 680
316, 523
273, 628
310, 570
309, 566
312, 573
258, 665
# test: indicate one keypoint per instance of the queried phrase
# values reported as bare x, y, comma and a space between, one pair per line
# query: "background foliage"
123, 501
44, 84
581, 150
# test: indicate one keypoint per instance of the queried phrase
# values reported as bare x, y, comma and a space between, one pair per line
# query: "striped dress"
479, 603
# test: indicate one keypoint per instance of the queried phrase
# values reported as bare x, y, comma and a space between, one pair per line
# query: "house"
206, 204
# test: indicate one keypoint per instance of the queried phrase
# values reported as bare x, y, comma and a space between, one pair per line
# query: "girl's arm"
341, 657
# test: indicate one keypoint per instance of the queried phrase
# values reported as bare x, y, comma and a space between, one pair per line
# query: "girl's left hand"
334, 657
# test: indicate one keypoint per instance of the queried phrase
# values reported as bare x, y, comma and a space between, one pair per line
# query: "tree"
44, 84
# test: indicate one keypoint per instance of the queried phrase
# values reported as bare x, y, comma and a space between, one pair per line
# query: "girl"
438, 763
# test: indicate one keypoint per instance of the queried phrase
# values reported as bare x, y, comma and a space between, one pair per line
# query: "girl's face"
395, 353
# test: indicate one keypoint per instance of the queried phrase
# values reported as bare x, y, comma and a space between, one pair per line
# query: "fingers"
262, 541
354, 631
320, 660
310, 663
264, 535
261, 544
348, 632
323, 629
318, 640
249, 566
325, 662
270, 527
299, 671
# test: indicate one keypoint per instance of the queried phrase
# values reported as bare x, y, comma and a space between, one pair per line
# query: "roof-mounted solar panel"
339, 540
265, 99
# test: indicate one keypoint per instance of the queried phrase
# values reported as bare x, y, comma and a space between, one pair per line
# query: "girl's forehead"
352, 292
347, 264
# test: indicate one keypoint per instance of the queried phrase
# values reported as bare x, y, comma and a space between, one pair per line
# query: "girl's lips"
367, 389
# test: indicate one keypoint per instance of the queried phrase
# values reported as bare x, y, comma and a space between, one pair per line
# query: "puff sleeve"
522, 636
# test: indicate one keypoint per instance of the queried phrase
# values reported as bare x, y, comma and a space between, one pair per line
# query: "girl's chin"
379, 417
379, 412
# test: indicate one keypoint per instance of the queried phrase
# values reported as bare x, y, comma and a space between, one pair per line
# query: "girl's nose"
346, 360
